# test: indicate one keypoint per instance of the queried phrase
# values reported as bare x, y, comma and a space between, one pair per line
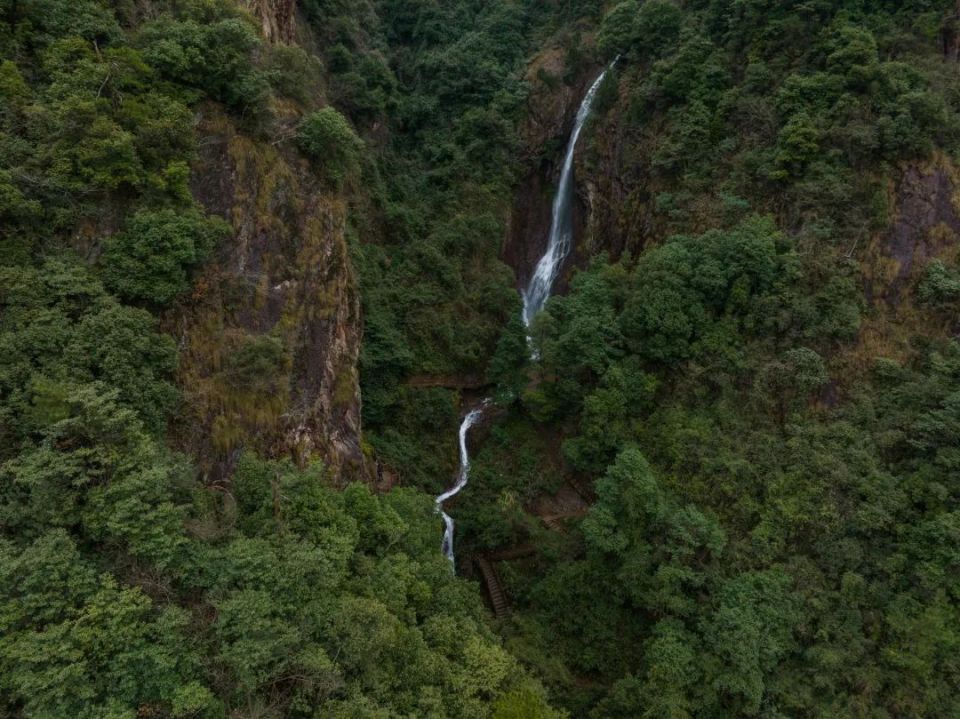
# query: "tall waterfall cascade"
535, 296
560, 240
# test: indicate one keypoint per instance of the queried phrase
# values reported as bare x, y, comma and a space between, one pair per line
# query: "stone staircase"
498, 599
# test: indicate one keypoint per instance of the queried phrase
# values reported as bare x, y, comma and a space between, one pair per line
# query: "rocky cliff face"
270, 338
613, 213
276, 17
615, 192
924, 226
926, 223
616, 213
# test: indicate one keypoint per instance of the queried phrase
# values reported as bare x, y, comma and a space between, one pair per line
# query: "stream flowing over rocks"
535, 295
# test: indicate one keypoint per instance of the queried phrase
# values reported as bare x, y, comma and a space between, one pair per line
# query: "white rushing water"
462, 478
534, 296
560, 240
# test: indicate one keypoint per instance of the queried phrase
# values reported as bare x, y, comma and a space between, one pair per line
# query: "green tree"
151, 259
105, 653
508, 366
214, 54
327, 138
750, 632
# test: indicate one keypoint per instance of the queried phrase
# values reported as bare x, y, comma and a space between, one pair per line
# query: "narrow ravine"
535, 295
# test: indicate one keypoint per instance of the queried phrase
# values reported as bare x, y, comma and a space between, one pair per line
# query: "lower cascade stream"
535, 295
462, 478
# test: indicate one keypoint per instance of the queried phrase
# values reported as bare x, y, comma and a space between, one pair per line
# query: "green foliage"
414, 439
524, 703
151, 258
329, 594
754, 548
436, 295
54, 19
95, 471
256, 363
789, 381
508, 366
689, 281
211, 54
294, 73
643, 29
327, 138
61, 330
771, 531
104, 656
89, 126
346, 591
128, 587
750, 633
813, 505
618, 30
940, 284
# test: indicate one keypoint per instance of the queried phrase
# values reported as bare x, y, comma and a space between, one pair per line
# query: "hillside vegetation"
724, 483
759, 380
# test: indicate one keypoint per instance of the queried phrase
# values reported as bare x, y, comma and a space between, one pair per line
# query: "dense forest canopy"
720, 478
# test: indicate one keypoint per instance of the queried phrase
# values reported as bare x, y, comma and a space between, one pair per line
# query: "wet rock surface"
549, 118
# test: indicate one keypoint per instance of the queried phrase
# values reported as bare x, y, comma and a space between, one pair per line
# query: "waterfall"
462, 478
534, 296
561, 224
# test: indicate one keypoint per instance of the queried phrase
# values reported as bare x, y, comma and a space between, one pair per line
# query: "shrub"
256, 363
940, 284
152, 258
216, 58
618, 30
644, 29
295, 74
51, 19
327, 138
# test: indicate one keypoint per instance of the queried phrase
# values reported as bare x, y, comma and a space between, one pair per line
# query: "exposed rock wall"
284, 278
277, 18
925, 223
612, 214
